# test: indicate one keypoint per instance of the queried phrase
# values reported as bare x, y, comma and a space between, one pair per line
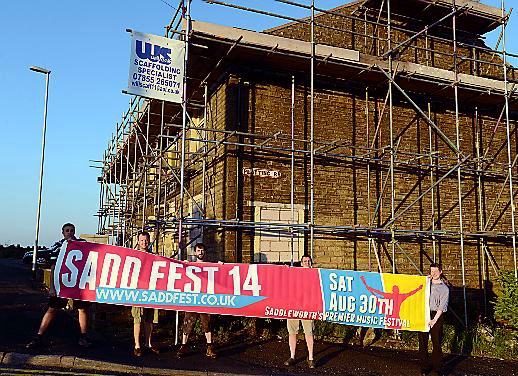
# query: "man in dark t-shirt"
56, 303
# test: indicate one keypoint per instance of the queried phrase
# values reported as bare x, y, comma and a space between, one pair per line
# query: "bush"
506, 304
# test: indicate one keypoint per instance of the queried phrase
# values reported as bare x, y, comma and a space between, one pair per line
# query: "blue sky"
86, 47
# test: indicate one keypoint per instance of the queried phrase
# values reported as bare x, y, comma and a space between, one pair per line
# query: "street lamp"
46, 72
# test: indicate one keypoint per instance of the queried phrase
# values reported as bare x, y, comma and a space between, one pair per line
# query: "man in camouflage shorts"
190, 318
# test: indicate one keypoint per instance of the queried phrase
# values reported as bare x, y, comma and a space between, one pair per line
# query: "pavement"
23, 306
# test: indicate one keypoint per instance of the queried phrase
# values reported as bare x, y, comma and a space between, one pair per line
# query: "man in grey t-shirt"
439, 297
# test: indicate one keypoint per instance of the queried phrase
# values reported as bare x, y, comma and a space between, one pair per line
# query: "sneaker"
311, 363
137, 352
34, 343
210, 352
84, 342
182, 351
289, 362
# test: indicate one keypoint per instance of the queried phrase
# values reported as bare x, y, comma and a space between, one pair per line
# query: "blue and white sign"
156, 67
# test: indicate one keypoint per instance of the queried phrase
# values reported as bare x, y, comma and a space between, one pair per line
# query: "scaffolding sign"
156, 67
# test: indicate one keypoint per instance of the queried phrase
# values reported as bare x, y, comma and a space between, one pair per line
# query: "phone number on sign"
153, 80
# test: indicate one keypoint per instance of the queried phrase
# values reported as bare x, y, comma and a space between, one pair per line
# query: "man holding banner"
307, 326
190, 318
439, 297
143, 317
56, 303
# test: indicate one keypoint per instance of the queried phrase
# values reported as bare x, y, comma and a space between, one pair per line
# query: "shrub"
506, 304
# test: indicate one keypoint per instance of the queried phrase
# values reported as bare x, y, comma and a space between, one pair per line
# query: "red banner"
116, 275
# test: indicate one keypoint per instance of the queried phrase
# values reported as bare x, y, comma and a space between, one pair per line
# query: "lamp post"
46, 72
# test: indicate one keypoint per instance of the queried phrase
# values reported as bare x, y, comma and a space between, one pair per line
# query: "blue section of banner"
154, 298
348, 301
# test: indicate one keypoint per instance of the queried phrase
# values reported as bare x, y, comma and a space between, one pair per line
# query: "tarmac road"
23, 307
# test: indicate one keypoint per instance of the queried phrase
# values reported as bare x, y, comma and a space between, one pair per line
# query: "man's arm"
436, 317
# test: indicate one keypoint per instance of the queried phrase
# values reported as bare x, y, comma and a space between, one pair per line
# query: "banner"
108, 274
156, 67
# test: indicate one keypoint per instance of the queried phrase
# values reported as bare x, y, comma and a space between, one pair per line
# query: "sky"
86, 47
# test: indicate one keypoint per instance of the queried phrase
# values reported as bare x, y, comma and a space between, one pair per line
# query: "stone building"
376, 139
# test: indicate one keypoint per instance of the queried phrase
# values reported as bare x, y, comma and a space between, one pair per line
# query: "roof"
253, 48
477, 18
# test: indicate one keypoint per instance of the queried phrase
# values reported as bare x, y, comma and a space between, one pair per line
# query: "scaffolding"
159, 168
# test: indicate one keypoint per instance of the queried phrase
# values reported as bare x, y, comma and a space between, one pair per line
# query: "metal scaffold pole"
312, 137
508, 134
158, 214
146, 159
459, 159
391, 135
292, 177
184, 128
432, 195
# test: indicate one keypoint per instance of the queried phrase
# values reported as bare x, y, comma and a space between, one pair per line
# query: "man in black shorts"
56, 303
190, 318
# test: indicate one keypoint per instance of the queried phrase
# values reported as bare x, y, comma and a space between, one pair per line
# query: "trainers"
289, 362
84, 342
182, 351
311, 363
210, 352
34, 343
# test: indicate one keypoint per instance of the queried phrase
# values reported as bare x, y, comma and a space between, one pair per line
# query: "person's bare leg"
185, 337
148, 331
47, 319
136, 334
292, 340
83, 320
309, 343
208, 337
